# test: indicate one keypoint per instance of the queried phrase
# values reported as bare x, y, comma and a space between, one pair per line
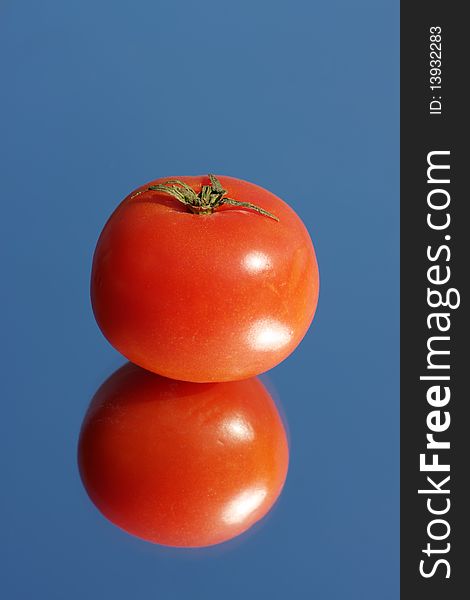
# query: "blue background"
298, 96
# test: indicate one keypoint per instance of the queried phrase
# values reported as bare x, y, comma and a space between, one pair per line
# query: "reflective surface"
182, 464
299, 96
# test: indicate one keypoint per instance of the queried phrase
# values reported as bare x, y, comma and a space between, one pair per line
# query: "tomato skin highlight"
182, 464
203, 298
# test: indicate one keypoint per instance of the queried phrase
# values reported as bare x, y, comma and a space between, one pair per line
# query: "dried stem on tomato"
206, 201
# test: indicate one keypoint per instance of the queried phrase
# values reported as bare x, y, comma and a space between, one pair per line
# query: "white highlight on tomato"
269, 335
255, 262
243, 505
236, 428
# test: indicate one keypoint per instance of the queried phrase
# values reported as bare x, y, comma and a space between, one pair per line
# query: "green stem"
206, 201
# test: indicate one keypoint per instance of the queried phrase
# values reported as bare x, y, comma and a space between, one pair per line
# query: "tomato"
204, 293
180, 463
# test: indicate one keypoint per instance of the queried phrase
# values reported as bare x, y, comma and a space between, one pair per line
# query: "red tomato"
179, 463
204, 297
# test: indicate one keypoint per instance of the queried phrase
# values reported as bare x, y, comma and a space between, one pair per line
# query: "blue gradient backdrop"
299, 96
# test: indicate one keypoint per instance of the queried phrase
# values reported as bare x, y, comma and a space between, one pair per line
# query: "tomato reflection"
179, 463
